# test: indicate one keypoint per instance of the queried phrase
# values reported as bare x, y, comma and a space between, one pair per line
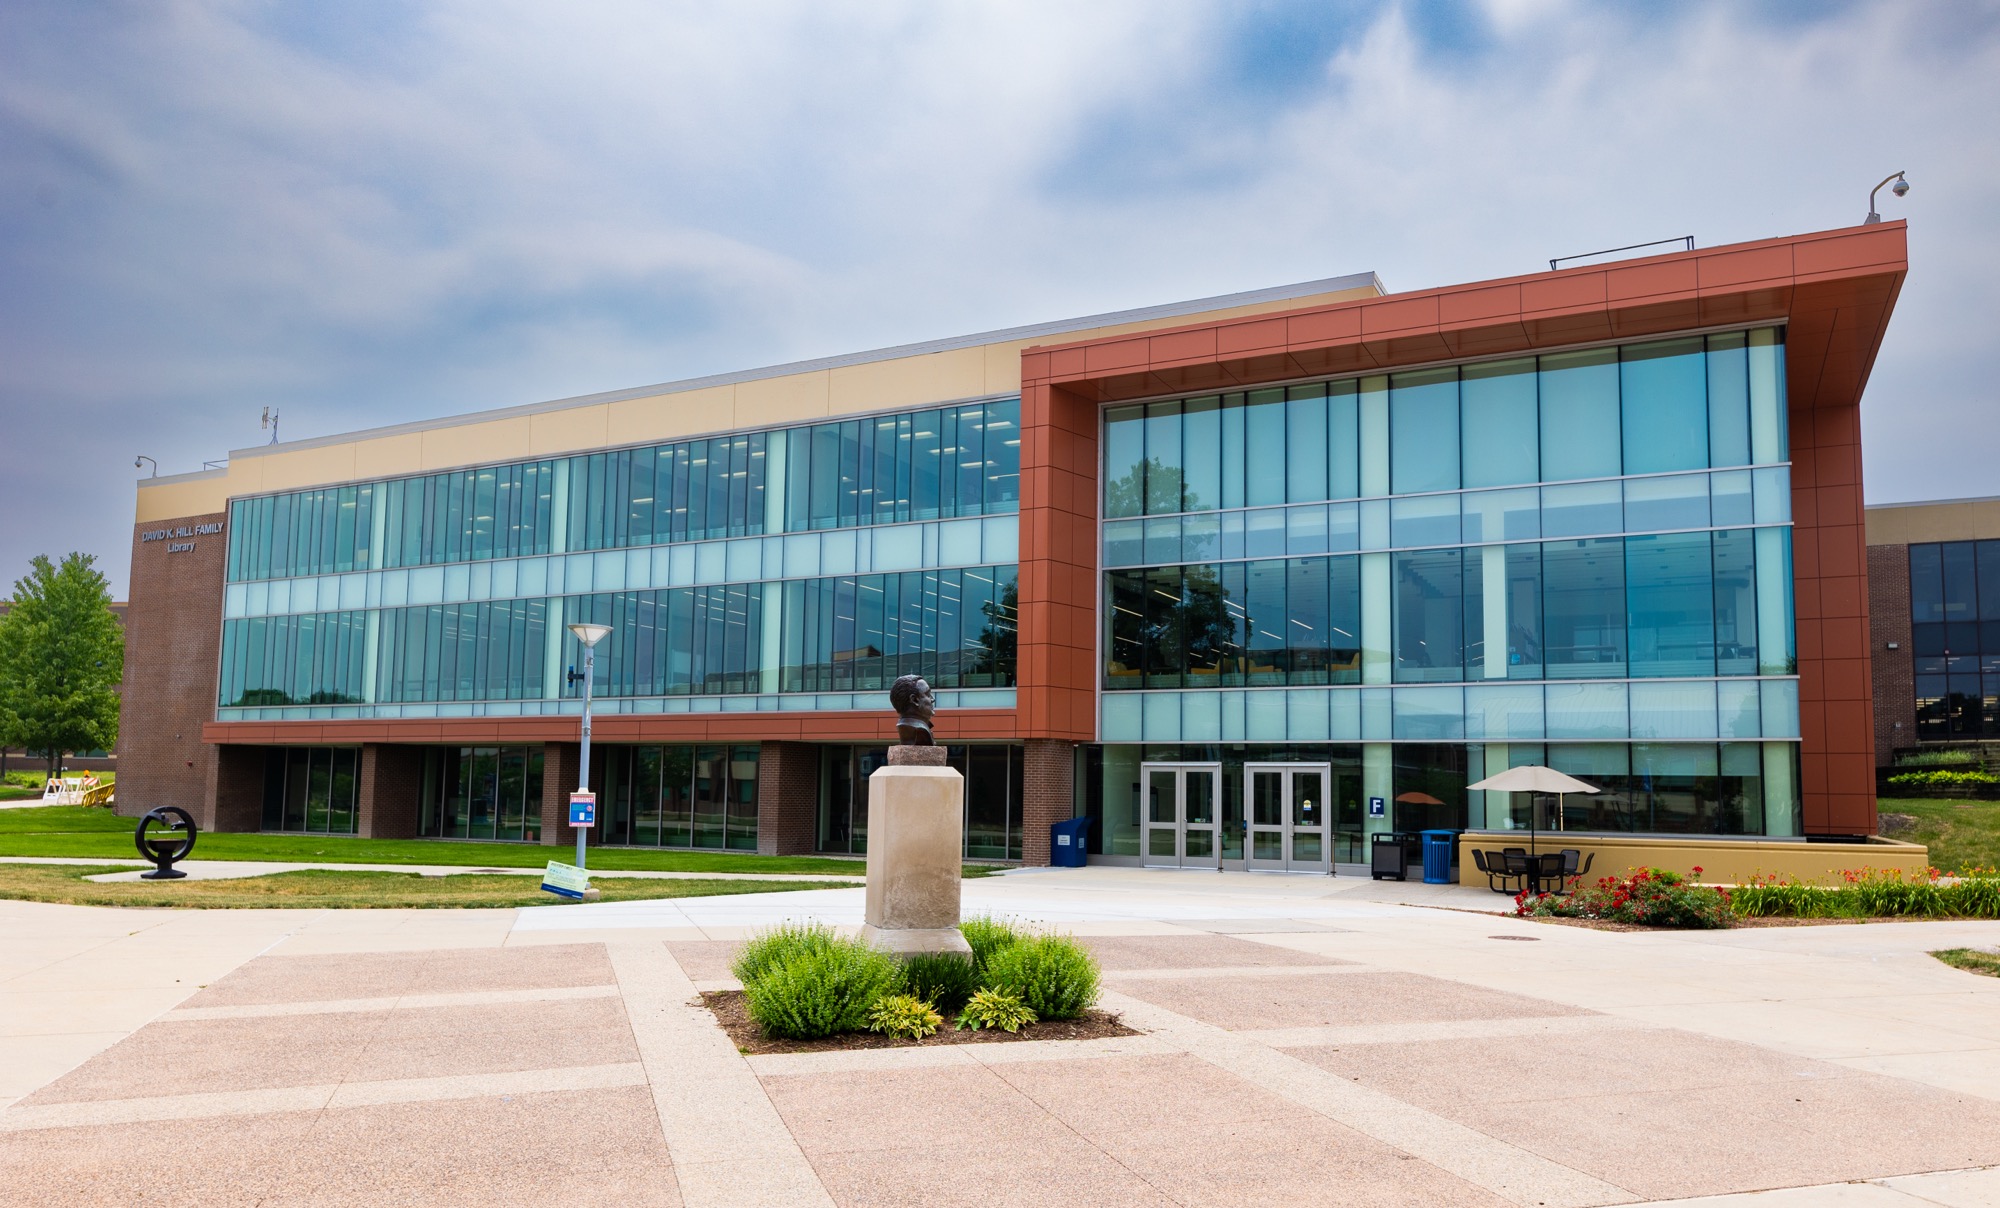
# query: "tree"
62, 655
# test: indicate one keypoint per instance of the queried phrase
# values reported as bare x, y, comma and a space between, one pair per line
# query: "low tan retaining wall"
1722, 861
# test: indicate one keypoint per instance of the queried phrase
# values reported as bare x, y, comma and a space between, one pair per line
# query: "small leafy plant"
904, 1017
987, 936
816, 984
996, 1009
1875, 893
1650, 897
1946, 778
1052, 974
943, 979
766, 951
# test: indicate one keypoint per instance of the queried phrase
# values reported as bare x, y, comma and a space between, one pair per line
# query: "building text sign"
181, 539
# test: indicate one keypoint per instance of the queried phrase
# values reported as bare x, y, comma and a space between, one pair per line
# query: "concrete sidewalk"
1303, 1041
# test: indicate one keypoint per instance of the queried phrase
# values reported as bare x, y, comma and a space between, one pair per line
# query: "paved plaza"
1302, 1041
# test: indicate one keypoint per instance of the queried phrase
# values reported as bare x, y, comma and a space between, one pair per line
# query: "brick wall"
173, 637
390, 793
561, 761
232, 794
787, 798
1895, 673
1048, 793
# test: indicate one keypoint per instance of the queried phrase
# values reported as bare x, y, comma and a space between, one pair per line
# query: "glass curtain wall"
1680, 605
486, 651
313, 790
995, 780
677, 796
923, 465
1670, 405
316, 532
1955, 639
482, 793
465, 515
304, 659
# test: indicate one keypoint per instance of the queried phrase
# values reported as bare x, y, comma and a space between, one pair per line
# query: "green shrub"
996, 1009
818, 991
1866, 893
1052, 974
1651, 897
943, 979
773, 948
24, 780
1944, 778
987, 935
903, 1017
1935, 759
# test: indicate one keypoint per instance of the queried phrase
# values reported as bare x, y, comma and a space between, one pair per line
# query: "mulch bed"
727, 1007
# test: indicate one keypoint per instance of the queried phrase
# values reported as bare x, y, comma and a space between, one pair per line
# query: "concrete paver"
1306, 1040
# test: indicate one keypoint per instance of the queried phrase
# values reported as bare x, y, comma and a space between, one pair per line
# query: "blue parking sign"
583, 809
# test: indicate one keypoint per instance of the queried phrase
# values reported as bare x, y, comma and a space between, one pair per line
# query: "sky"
371, 212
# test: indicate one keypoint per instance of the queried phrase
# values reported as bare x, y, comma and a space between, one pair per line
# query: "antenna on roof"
270, 421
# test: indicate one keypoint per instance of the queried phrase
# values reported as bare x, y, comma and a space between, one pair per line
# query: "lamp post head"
589, 635
1901, 188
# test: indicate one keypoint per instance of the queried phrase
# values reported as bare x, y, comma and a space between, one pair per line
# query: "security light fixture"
589, 635
1901, 189
139, 461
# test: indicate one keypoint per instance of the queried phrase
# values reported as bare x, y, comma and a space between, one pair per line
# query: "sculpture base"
911, 941
916, 848
904, 756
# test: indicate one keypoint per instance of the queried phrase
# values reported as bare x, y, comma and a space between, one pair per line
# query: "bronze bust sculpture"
911, 698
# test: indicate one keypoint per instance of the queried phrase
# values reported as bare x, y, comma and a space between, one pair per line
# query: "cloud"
366, 213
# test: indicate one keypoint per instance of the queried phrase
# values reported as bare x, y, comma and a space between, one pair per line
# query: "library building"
1245, 581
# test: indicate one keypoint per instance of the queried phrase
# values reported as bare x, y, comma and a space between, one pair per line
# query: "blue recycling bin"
1067, 841
1438, 847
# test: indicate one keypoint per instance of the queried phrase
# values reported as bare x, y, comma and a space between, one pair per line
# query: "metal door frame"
1288, 828
1179, 826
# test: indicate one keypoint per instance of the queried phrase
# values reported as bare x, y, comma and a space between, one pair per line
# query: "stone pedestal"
916, 845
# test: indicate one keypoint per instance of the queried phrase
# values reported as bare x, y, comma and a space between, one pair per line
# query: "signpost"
563, 879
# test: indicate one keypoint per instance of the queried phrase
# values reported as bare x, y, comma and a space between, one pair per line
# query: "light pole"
590, 636
1902, 189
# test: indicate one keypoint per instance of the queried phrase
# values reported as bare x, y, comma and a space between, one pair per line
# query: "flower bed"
1873, 893
807, 988
1650, 897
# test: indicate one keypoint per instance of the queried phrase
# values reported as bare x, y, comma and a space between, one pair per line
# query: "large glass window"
1955, 638
311, 789
1664, 392
482, 793
302, 659
1423, 431
1580, 415
677, 796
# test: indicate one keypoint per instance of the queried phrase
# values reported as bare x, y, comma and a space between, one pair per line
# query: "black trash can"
1067, 841
1389, 855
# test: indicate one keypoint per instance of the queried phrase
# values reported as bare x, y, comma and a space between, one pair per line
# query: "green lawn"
1971, 960
67, 830
64, 883
1961, 834
14, 792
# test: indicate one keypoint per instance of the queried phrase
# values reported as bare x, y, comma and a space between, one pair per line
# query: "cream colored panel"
570, 430
1003, 367
1973, 520
470, 444
918, 381
173, 500
389, 456
672, 416
792, 399
296, 468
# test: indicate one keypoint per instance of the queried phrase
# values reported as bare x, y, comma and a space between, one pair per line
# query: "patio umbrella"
1534, 778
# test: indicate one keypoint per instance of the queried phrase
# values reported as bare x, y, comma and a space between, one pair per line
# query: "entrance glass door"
1288, 816
1182, 814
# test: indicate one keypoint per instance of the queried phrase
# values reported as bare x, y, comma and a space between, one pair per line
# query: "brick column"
390, 793
561, 761
787, 798
1894, 670
234, 800
1048, 795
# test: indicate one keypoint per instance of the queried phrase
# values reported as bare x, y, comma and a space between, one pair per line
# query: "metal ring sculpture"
167, 847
